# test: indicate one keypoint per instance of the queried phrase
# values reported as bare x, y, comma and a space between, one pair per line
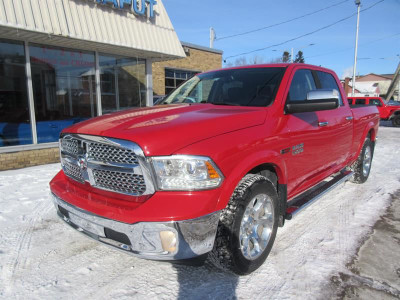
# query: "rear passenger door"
340, 127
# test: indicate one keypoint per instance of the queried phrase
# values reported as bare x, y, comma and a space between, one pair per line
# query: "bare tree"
275, 60
229, 65
240, 61
255, 60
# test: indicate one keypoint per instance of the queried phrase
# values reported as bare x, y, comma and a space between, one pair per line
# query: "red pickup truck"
217, 167
386, 112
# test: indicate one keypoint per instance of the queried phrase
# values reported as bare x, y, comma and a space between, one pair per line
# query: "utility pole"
292, 56
212, 37
392, 87
358, 3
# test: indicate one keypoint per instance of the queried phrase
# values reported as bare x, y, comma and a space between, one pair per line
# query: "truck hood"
164, 129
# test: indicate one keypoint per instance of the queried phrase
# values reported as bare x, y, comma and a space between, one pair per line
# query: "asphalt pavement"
374, 272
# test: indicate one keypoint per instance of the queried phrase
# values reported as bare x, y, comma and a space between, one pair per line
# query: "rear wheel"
396, 121
362, 166
247, 227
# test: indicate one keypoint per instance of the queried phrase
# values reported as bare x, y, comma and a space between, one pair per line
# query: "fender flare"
369, 128
245, 166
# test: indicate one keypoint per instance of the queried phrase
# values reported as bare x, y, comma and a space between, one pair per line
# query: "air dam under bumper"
175, 240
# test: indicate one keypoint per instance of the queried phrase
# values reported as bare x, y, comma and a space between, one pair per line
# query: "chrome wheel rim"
256, 226
367, 161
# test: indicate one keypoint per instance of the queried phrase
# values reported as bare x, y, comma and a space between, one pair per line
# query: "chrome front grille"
107, 153
70, 145
109, 164
122, 182
73, 171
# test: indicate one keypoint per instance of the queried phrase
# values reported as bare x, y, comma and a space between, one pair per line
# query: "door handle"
323, 124
349, 118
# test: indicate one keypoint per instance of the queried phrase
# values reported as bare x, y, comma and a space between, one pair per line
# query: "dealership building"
64, 61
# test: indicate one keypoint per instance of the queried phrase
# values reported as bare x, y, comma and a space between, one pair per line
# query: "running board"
309, 197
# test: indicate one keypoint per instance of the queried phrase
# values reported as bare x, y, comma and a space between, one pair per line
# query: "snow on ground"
42, 258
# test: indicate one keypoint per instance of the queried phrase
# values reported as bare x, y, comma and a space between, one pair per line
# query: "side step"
309, 197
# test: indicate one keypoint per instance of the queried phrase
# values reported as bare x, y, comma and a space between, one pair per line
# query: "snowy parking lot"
42, 258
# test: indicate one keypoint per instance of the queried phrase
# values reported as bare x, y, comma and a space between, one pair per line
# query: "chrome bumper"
150, 240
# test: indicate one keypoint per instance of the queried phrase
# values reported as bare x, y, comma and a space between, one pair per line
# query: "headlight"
186, 173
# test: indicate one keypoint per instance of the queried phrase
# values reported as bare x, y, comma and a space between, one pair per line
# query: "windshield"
242, 87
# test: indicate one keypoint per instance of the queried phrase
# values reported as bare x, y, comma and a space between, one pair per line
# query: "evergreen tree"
299, 57
286, 57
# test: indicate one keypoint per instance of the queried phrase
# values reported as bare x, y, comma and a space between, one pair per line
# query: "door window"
328, 82
302, 83
375, 102
360, 102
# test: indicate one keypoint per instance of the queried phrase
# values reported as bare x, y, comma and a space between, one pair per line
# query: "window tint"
328, 82
302, 83
242, 87
360, 102
375, 102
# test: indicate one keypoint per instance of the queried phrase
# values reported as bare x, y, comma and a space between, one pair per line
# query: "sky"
333, 47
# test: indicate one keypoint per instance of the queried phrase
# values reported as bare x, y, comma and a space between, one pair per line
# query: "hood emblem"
82, 163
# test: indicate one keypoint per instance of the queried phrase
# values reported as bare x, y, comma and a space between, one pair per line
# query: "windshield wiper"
225, 103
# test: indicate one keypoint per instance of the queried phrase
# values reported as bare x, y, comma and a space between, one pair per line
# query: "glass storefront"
122, 83
15, 127
64, 89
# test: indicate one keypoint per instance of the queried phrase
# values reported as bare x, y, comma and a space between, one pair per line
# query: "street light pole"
358, 2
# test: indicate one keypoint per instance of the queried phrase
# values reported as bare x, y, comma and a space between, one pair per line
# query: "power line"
351, 48
280, 23
303, 35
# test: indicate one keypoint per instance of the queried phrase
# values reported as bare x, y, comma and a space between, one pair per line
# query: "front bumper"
176, 240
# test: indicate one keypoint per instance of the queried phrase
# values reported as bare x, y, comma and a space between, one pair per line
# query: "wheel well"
371, 134
281, 188
264, 167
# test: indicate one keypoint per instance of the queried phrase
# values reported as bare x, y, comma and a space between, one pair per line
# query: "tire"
244, 217
396, 121
362, 166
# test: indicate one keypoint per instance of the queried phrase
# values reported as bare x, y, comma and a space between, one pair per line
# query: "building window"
64, 89
122, 83
15, 127
175, 77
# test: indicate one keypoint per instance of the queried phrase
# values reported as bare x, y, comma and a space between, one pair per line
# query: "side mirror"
316, 100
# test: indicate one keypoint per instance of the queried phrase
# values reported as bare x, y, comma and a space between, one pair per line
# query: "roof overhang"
86, 25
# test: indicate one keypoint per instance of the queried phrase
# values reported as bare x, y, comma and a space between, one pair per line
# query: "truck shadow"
205, 282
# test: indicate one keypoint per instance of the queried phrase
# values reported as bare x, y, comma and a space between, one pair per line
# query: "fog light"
168, 241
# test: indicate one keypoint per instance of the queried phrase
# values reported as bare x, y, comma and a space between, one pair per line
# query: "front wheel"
247, 227
396, 121
362, 166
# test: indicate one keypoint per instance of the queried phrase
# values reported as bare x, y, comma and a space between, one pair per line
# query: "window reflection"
64, 89
15, 128
122, 83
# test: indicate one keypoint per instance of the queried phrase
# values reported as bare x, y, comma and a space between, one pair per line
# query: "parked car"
386, 111
216, 174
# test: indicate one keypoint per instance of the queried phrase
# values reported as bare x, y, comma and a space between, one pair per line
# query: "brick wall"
197, 60
29, 158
